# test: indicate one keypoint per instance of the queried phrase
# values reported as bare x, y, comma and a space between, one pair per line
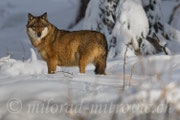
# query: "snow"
65, 88
137, 22
130, 25
28, 67
92, 13
151, 82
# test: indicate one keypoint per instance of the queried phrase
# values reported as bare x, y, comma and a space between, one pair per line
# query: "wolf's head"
37, 26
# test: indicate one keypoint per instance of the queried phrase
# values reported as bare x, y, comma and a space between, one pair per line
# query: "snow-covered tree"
134, 24
156, 25
101, 16
131, 27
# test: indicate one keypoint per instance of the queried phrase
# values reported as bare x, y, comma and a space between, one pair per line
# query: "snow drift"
28, 67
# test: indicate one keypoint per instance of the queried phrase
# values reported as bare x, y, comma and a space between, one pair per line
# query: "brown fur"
64, 48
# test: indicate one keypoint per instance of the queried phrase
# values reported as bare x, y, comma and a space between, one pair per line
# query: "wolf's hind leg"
100, 64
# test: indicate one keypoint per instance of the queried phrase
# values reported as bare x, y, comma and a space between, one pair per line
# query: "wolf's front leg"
51, 63
82, 64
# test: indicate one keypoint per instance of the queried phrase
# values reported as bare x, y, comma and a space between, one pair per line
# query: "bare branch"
173, 13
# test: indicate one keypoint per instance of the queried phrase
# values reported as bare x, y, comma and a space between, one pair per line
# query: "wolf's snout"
39, 34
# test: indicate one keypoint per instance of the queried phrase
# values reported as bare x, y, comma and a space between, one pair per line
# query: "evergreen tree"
156, 25
105, 17
138, 23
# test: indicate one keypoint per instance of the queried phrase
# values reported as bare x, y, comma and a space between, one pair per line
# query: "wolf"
64, 48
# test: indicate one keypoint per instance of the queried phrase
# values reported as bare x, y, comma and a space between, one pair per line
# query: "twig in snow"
66, 72
71, 74
166, 117
132, 70
124, 68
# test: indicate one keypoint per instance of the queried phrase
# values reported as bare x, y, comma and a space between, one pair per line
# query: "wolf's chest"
43, 55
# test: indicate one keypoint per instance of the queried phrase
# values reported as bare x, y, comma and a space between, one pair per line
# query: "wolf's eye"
31, 18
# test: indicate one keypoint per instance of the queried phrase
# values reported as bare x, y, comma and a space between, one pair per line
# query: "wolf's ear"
44, 16
30, 16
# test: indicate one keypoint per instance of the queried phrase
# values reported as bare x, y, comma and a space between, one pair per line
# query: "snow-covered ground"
28, 92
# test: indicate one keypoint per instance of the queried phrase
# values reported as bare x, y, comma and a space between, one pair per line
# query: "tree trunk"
81, 12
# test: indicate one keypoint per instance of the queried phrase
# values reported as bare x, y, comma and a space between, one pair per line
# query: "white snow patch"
29, 67
131, 23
